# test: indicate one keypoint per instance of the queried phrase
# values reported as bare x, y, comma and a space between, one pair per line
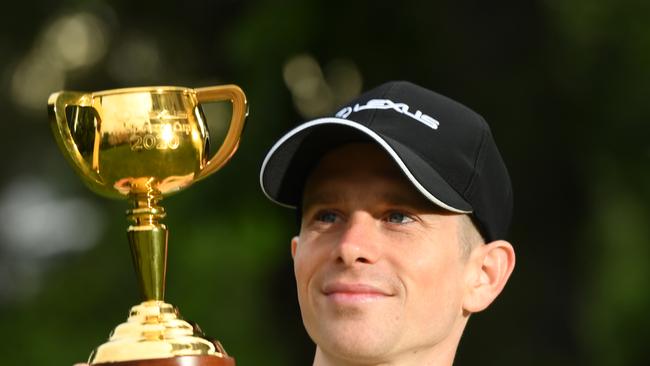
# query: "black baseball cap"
445, 149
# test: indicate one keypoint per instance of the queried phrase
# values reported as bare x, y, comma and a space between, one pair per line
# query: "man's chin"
361, 339
355, 349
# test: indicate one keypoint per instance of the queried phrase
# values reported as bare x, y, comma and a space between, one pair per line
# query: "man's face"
379, 269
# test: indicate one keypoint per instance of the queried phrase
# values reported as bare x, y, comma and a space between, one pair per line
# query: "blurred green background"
564, 85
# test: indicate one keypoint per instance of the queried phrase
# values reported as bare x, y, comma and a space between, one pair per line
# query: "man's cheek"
302, 272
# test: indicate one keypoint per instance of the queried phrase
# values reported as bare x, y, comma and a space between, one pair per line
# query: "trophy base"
176, 361
155, 335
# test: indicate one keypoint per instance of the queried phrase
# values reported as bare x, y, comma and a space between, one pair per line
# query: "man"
404, 202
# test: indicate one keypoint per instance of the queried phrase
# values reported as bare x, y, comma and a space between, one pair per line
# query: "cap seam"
477, 160
371, 118
438, 168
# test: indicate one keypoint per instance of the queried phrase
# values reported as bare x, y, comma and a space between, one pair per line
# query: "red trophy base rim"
175, 361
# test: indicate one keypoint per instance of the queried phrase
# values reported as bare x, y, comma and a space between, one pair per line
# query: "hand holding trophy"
142, 144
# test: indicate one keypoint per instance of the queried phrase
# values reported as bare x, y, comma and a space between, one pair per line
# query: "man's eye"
327, 216
398, 218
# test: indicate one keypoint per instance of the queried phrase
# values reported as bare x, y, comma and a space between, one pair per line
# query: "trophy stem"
148, 242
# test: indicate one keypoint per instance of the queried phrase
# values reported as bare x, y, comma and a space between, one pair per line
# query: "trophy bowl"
143, 144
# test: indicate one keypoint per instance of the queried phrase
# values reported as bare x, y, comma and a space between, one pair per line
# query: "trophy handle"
239, 113
57, 104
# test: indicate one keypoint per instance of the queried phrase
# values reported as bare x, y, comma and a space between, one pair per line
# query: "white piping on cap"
371, 134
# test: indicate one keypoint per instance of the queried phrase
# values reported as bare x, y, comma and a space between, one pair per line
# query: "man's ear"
488, 270
294, 245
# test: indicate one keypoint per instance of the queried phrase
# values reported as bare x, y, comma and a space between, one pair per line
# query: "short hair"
468, 235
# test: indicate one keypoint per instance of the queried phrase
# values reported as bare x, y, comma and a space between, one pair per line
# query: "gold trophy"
143, 144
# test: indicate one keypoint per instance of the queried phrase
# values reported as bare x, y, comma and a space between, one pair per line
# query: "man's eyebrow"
390, 197
397, 198
322, 198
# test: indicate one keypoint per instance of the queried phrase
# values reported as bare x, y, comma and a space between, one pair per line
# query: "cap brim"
289, 162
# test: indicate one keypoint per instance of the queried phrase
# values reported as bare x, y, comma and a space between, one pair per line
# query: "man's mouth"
350, 293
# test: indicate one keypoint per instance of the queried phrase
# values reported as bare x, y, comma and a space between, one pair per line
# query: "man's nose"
359, 241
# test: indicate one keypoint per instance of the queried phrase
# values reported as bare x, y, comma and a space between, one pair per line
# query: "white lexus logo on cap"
402, 108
